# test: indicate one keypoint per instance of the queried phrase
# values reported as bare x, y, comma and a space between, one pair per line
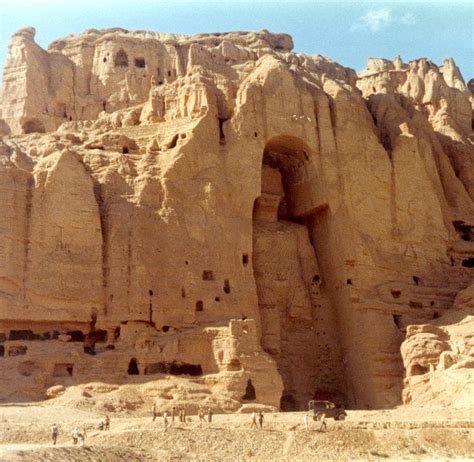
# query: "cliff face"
439, 358
217, 205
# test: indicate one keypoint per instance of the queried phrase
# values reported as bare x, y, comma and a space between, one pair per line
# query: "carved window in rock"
121, 59
207, 275
249, 394
140, 62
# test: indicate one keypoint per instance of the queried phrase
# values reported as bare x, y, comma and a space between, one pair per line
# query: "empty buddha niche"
284, 267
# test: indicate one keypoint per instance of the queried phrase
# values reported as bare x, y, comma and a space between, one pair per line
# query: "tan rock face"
262, 223
439, 359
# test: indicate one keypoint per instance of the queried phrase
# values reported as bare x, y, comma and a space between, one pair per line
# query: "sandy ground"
400, 434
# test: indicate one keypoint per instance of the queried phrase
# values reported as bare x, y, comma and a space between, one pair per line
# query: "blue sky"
347, 31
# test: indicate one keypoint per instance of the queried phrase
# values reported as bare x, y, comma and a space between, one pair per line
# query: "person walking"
253, 420
54, 433
107, 423
82, 436
323, 424
260, 420
201, 415
165, 422
75, 436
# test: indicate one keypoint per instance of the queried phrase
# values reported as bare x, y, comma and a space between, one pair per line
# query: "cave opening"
33, 126
468, 262
250, 394
221, 130
22, 335
140, 63
174, 368
226, 286
207, 275
465, 232
286, 220
418, 369
121, 59
397, 319
133, 367
288, 403
76, 335
63, 370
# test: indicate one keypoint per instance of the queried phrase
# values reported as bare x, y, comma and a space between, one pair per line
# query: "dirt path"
287, 444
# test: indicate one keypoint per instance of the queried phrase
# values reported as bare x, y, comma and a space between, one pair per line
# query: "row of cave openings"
121, 61
89, 340
466, 233
181, 368
67, 369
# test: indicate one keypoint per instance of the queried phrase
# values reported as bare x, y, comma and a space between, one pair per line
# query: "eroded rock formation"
263, 222
439, 357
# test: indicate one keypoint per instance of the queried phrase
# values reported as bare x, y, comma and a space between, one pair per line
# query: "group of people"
180, 413
78, 435
104, 424
202, 414
256, 422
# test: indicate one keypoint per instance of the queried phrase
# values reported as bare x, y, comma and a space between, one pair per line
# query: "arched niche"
297, 330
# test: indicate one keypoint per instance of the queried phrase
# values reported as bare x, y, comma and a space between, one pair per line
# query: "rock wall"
439, 358
218, 206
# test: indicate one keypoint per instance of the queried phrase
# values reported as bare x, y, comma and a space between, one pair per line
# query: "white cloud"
380, 18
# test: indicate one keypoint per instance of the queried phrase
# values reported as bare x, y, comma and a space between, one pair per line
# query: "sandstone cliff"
439, 358
217, 206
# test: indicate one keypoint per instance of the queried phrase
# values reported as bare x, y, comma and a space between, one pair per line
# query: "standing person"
82, 436
306, 422
184, 414
75, 436
107, 423
181, 410
165, 422
260, 419
323, 423
209, 415
153, 411
54, 433
173, 413
254, 420
201, 415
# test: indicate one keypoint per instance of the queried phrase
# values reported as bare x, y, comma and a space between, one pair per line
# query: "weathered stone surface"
264, 223
439, 359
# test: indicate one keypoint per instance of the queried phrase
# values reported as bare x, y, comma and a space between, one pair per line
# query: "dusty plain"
398, 434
